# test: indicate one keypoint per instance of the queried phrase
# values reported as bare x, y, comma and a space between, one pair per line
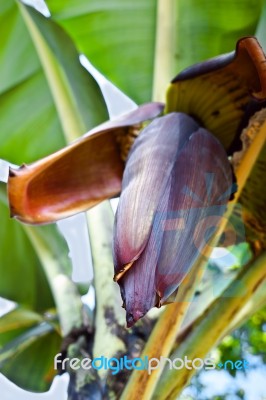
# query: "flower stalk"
109, 313
67, 299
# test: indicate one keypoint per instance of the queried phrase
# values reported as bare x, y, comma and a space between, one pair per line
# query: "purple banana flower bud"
175, 188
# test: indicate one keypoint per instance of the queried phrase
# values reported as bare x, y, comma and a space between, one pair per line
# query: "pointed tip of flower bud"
133, 317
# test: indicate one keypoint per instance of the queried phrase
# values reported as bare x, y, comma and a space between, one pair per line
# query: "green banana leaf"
22, 277
29, 126
28, 344
151, 35
17, 322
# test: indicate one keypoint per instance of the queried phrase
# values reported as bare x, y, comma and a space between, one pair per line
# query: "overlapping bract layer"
175, 188
77, 177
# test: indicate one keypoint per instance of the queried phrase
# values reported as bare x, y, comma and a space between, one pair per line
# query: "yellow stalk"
249, 159
207, 330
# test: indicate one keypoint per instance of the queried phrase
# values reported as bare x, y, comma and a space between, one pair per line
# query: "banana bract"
77, 177
175, 188
219, 92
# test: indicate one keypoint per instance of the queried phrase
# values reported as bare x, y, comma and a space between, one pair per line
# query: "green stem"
165, 47
67, 298
207, 330
109, 313
255, 303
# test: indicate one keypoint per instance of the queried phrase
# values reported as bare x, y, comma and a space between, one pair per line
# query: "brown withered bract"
77, 177
217, 92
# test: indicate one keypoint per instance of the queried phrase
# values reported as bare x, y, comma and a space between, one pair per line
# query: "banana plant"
189, 169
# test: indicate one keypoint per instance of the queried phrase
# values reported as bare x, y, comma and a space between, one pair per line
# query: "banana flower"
174, 183
175, 188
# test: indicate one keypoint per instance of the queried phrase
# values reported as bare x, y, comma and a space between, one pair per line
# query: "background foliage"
47, 99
